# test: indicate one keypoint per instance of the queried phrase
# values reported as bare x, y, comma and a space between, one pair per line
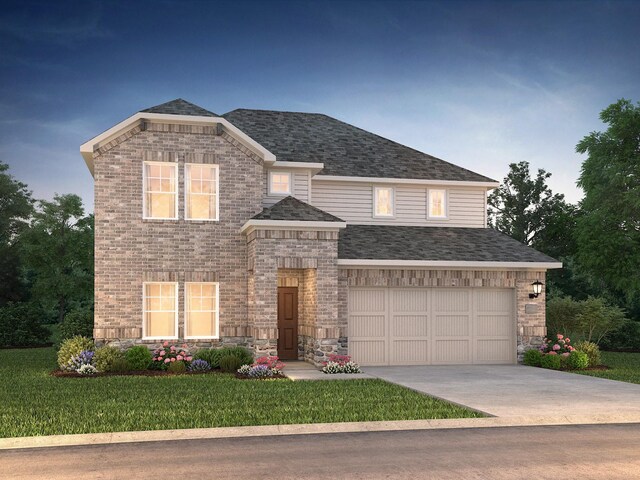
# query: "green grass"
34, 403
624, 367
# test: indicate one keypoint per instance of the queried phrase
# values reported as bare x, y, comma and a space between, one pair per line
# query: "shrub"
273, 363
332, 367
84, 358
209, 355
177, 367
340, 364
241, 353
72, 347
559, 345
105, 358
20, 326
591, 350
577, 360
245, 369
551, 361
199, 365
230, 363
260, 371
138, 357
120, 365
351, 367
87, 369
625, 337
533, 357
77, 322
561, 315
163, 357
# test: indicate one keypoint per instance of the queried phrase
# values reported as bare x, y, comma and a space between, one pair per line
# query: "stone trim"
247, 151
118, 140
161, 277
180, 128
296, 262
209, 158
159, 156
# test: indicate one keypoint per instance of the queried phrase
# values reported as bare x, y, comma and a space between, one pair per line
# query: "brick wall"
130, 250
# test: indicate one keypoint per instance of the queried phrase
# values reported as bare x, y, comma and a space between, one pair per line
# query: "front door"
288, 323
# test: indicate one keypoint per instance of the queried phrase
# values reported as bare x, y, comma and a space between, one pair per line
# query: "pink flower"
179, 357
552, 353
556, 347
173, 359
565, 354
560, 336
189, 359
566, 340
173, 349
162, 353
165, 344
184, 345
166, 360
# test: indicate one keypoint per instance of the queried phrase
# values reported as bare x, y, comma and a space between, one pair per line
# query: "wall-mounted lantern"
537, 289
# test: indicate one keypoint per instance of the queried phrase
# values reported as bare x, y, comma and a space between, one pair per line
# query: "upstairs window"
201, 190
280, 183
437, 203
160, 302
383, 202
160, 190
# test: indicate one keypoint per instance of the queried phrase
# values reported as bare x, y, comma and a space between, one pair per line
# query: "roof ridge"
278, 209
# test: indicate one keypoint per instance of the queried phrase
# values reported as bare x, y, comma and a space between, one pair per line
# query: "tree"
526, 209
58, 249
16, 207
608, 233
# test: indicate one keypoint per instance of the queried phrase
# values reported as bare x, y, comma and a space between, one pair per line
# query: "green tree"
16, 207
58, 249
608, 232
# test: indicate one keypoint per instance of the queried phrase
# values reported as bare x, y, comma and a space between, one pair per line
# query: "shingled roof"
382, 242
291, 208
180, 107
344, 149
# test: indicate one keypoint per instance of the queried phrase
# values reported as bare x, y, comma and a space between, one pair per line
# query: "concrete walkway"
515, 390
306, 371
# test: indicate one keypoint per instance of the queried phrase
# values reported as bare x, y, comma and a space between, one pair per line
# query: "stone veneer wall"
531, 327
316, 253
130, 250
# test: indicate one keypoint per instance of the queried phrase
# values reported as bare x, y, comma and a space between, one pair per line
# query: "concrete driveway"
515, 390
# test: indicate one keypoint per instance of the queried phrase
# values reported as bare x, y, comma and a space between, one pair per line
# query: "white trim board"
446, 264
87, 148
414, 181
292, 225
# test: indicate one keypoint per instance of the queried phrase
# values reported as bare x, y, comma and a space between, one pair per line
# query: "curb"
306, 429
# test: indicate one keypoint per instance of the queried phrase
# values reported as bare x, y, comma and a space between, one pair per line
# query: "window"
437, 203
383, 202
201, 190
160, 190
160, 310
280, 183
201, 313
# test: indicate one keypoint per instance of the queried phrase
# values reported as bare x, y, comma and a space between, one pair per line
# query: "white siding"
353, 202
300, 187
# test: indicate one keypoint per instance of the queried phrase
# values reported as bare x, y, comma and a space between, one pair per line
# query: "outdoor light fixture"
537, 289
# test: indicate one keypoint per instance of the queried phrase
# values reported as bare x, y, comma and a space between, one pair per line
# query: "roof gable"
180, 107
344, 149
292, 209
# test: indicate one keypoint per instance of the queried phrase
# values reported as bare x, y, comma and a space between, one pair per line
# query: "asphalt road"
584, 452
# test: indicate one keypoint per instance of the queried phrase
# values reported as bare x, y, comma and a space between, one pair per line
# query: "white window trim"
186, 193
446, 204
375, 202
217, 312
280, 172
144, 310
144, 190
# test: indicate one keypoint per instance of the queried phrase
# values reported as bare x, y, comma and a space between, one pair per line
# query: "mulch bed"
246, 377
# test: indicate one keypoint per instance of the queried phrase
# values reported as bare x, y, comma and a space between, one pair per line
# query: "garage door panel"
367, 301
369, 352
452, 325
410, 326
367, 326
494, 301
414, 300
449, 300
494, 351
493, 326
410, 351
452, 351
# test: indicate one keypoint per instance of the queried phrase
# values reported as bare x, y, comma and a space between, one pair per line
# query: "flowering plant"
263, 367
272, 363
199, 365
87, 369
340, 364
560, 345
85, 357
167, 354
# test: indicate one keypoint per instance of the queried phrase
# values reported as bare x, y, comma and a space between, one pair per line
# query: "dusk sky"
479, 84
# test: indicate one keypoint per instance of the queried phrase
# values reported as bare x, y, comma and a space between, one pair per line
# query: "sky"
479, 84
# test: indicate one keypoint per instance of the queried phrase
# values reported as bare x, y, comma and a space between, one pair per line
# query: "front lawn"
34, 403
623, 366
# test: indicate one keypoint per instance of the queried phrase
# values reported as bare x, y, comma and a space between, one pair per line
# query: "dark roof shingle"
291, 208
344, 149
180, 107
382, 242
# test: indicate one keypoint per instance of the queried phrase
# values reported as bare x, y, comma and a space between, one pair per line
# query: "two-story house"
300, 235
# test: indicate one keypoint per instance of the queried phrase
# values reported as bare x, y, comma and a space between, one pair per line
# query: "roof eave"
344, 262
414, 181
253, 224
88, 148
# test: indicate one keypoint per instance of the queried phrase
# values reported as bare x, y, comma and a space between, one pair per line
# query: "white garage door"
431, 326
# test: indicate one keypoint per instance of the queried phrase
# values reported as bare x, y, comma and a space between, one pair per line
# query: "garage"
431, 326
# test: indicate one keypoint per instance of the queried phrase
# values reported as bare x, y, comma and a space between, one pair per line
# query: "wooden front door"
288, 323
